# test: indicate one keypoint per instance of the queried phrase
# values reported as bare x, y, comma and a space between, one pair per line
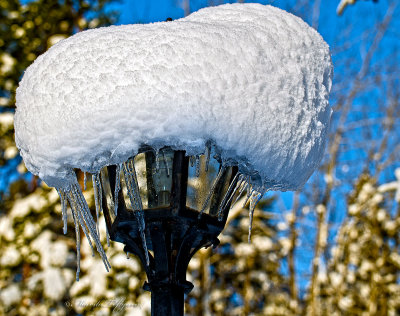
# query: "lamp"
174, 229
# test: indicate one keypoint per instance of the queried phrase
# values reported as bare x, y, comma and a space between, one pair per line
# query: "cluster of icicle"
239, 184
253, 195
83, 218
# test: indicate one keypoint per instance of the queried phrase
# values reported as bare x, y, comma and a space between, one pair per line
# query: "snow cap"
253, 79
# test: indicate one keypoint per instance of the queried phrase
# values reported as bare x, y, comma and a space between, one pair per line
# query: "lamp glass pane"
207, 186
159, 177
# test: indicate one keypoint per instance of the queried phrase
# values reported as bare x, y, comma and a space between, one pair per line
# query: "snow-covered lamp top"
253, 79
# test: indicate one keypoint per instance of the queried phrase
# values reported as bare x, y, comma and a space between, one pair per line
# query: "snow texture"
10, 295
253, 79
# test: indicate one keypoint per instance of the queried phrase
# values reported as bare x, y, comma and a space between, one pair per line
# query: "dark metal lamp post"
179, 218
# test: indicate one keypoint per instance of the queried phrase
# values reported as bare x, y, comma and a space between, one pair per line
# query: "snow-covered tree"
362, 273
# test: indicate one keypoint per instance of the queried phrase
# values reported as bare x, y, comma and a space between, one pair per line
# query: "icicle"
242, 186
251, 215
219, 175
249, 191
84, 181
98, 190
78, 246
256, 197
81, 209
192, 159
166, 162
247, 198
108, 237
197, 165
117, 187
207, 154
228, 195
75, 208
63, 199
140, 218
157, 159
92, 226
132, 185
249, 187
82, 213
98, 198
136, 201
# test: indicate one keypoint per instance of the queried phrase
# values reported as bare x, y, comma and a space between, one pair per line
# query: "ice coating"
253, 79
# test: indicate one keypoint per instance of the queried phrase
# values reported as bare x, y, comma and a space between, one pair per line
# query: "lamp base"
172, 239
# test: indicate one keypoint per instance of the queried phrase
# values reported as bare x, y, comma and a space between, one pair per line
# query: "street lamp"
174, 230
236, 93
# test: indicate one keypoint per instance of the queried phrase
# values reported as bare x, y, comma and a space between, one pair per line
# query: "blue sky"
149, 11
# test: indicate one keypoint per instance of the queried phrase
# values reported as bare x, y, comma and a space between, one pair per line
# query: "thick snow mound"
253, 79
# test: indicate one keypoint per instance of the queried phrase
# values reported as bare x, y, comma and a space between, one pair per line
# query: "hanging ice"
211, 192
229, 195
197, 163
63, 199
98, 198
157, 159
207, 154
242, 185
249, 191
255, 198
77, 213
78, 246
82, 217
117, 187
166, 163
136, 201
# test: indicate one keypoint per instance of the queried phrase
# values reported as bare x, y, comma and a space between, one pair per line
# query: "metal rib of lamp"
249, 81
